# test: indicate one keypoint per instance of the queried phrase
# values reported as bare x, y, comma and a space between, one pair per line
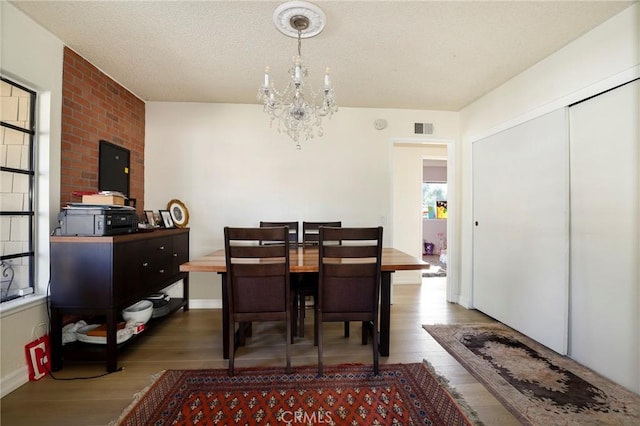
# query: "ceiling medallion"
294, 16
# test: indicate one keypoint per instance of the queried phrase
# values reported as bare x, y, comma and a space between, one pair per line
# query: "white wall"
32, 57
433, 173
603, 58
229, 168
435, 231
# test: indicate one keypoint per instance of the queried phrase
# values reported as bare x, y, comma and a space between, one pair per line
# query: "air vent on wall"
423, 128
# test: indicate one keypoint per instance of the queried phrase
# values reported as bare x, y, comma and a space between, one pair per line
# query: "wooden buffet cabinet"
100, 276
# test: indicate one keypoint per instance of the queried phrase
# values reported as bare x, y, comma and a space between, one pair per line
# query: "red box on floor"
38, 355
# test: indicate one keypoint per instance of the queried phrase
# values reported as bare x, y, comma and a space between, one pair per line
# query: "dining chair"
349, 280
310, 231
295, 278
258, 283
293, 230
307, 285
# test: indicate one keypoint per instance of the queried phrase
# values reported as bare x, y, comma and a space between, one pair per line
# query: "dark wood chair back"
310, 231
349, 262
307, 284
258, 283
295, 278
293, 230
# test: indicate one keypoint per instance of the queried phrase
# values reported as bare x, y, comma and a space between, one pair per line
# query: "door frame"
453, 209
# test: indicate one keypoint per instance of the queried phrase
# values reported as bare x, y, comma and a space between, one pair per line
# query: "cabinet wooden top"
156, 233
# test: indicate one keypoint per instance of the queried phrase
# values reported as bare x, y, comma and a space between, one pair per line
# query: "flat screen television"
113, 168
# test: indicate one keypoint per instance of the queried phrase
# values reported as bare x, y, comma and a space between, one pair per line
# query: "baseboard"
205, 303
13, 381
406, 277
406, 282
465, 302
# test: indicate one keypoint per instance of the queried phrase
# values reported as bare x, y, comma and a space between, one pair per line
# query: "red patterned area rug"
538, 386
403, 394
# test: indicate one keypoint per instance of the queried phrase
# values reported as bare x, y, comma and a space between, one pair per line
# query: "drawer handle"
175, 254
145, 264
161, 271
161, 247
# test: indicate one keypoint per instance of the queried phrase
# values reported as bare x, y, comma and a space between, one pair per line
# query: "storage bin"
428, 248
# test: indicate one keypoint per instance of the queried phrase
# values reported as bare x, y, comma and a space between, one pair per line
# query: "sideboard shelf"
81, 351
100, 276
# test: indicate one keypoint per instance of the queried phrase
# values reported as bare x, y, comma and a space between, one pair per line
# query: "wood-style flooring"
192, 340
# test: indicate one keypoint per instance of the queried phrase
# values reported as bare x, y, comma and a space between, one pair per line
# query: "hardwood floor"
192, 340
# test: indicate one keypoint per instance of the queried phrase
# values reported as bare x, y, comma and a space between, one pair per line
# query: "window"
17, 185
432, 192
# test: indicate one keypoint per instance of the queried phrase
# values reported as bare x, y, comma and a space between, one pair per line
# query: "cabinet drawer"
160, 260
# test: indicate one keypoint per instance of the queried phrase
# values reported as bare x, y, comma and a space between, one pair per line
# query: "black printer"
97, 220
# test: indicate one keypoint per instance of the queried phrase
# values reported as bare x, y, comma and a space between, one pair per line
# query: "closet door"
604, 319
521, 230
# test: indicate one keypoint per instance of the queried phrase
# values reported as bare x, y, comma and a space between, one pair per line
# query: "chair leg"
366, 329
301, 308
376, 351
294, 315
288, 339
232, 345
242, 337
316, 327
346, 329
319, 337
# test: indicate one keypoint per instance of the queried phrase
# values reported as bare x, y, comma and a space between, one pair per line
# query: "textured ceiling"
438, 55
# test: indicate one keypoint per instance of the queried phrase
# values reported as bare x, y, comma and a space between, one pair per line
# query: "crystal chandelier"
298, 109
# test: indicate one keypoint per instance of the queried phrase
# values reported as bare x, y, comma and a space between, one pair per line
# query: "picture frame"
151, 218
179, 213
165, 216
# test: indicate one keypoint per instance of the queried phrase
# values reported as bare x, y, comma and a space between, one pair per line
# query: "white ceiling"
439, 55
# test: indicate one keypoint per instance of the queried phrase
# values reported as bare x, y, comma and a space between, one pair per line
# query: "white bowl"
139, 312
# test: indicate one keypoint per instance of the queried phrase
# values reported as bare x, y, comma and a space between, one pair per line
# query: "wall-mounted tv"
113, 168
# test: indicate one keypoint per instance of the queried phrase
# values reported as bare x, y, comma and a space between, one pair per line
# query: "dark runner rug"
403, 394
538, 386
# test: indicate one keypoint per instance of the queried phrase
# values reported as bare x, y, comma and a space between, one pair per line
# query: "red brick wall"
94, 108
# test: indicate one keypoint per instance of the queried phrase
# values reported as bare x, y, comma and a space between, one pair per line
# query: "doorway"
434, 217
407, 163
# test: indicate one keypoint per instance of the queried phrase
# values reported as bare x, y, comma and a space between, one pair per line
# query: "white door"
521, 230
605, 329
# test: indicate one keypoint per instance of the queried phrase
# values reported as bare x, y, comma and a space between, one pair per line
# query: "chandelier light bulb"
266, 77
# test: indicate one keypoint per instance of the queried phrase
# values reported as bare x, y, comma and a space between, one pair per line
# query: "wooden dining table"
305, 260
